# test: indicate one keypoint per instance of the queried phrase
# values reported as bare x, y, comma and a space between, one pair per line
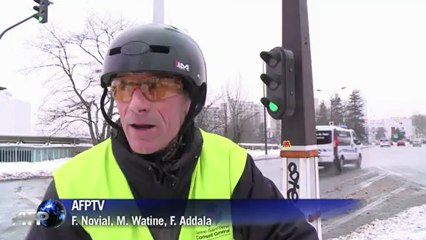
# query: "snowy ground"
259, 153
407, 225
25, 170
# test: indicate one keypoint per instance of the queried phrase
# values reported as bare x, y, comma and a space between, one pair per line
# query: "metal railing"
43, 140
33, 153
40, 148
258, 146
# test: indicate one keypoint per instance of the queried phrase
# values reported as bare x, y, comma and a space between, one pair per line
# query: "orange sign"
286, 144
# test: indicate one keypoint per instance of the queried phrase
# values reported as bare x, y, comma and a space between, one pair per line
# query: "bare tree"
238, 114
72, 106
211, 118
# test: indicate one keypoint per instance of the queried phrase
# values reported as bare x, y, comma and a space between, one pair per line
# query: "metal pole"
298, 131
158, 11
331, 109
264, 114
264, 119
26, 19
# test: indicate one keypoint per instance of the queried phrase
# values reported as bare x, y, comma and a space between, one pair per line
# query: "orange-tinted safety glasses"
154, 88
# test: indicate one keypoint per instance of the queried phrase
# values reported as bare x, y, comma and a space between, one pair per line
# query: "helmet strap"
107, 118
177, 142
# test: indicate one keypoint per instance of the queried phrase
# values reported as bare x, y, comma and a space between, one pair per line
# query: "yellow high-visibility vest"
95, 174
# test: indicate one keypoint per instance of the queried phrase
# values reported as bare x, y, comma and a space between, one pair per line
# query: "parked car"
400, 143
417, 142
385, 143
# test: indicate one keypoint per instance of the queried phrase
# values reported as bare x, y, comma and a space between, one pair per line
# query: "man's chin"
144, 147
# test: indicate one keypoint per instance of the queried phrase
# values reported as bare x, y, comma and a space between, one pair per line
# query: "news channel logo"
51, 213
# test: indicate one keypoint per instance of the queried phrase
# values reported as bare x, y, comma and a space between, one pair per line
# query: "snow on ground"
407, 225
258, 153
25, 170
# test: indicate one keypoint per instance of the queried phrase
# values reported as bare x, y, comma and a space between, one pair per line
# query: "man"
157, 76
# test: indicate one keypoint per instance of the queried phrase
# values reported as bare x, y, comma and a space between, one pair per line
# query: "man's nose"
139, 103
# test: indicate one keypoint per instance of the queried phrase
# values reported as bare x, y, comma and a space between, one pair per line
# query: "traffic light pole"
265, 129
299, 150
19, 23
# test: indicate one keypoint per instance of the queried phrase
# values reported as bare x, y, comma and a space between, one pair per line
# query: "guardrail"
37, 153
40, 148
43, 140
259, 146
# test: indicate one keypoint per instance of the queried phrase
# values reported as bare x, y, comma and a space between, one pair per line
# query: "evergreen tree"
323, 115
337, 110
355, 114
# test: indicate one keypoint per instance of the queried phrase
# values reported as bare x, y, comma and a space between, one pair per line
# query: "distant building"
254, 113
15, 115
403, 124
214, 119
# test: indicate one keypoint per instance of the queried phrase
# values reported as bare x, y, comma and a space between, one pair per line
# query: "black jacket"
149, 178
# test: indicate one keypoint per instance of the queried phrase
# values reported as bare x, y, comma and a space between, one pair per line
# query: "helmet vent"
114, 51
159, 49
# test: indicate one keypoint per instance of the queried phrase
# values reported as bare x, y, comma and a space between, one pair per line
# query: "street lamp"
331, 97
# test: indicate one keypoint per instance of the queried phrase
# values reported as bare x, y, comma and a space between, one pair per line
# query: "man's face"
152, 114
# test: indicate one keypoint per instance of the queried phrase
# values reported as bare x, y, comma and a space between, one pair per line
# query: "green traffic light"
40, 18
273, 106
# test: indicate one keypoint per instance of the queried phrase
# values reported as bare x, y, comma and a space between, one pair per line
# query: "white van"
337, 146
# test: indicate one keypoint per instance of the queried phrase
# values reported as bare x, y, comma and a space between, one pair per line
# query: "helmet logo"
182, 66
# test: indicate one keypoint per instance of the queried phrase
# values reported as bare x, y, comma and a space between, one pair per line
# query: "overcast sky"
376, 46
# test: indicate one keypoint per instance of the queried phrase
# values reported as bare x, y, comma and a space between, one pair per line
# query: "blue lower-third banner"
163, 212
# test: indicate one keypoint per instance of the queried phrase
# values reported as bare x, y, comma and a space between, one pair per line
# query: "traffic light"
280, 97
41, 9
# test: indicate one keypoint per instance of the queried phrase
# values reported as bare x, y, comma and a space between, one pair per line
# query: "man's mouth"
142, 126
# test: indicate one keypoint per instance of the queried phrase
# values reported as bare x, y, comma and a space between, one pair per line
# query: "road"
408, 162
390, 180
18, 196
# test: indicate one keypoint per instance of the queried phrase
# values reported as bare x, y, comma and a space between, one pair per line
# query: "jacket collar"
171, 170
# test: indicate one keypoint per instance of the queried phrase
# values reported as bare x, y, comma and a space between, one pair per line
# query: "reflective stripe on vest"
95, 174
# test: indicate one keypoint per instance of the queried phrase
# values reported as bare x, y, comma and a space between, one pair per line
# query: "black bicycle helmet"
158, 48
